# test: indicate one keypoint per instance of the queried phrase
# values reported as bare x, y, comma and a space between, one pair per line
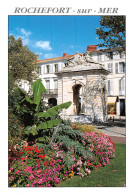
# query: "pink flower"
30, 178
79, 162
49, 178
35, 182
88, 171
48, 185
40, 181
32, 185
11, 168
57, 180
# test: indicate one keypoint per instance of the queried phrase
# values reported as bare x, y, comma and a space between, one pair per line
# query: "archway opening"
77, 100
52, 102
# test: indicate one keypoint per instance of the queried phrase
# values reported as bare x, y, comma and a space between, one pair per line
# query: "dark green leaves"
49, 124
112, 31
31, 130
54, 111
38, 89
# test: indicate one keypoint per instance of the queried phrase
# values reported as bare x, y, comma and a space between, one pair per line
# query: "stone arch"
77, 99
77, 88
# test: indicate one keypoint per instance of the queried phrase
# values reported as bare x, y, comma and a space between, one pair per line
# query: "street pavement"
112, 128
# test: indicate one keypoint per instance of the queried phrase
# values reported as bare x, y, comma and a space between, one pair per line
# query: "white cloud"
40, 53
49, 55
25, 41
43, 45
25, 33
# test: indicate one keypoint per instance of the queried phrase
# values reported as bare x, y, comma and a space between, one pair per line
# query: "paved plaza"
115, 129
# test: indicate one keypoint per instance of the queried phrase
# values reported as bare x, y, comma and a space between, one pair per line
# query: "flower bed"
33, 168
83, 127
101, 147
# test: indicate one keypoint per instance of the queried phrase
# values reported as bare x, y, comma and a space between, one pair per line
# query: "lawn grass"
112, 175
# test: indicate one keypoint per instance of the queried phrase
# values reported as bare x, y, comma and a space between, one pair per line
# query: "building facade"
112, 60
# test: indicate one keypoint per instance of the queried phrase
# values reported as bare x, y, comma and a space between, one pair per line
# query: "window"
122, 86
39, 69
47, 68
66, 64
55, 67
47, 84
55, 84
110, 55
99, 57
110, 87
120, 67
110, 67
121, 55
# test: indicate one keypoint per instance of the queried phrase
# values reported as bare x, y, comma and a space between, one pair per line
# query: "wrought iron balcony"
52, 91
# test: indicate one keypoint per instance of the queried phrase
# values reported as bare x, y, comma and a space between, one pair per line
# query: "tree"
112, 31
21, 61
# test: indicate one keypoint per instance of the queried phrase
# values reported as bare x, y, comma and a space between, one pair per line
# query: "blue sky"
51, 36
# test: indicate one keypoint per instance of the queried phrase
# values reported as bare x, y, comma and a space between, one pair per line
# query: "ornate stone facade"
83, 83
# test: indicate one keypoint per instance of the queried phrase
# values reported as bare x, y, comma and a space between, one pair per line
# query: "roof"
106, 50
80, 63
72, 55
58, 58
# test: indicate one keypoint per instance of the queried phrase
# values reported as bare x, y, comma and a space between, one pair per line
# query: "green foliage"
36, 121
112, 175
112, 31
21, 60
38, 89
69, 139
21, 107
54, 111
15, 129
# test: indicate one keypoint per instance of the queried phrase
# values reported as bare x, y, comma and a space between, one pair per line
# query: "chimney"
65, 54
91, 48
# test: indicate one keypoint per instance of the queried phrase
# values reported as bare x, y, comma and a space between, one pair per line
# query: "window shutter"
59, 68
43, 69
51, 68
111, 67
47, 84
119, 85
111, 87
116, 68
108, 87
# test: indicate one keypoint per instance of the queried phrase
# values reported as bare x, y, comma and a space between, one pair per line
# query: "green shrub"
29, 109
15, 129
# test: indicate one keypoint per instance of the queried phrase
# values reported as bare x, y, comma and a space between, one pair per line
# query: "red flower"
31, 148
40, 156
